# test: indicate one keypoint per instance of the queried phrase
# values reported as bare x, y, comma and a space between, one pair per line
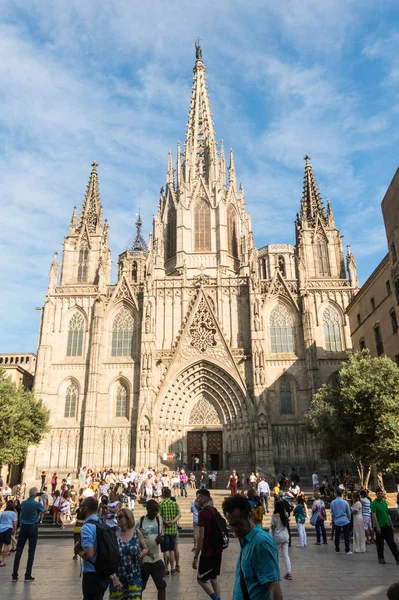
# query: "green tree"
23, 420
359, 415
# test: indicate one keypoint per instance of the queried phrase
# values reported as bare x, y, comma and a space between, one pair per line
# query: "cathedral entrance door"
194, 448
214, 445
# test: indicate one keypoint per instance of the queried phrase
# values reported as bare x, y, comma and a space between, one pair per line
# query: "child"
300, 518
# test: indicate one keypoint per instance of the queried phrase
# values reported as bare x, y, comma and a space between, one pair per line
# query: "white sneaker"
349, 552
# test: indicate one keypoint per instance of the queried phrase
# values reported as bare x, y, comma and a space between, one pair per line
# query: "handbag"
323, 514
313, 518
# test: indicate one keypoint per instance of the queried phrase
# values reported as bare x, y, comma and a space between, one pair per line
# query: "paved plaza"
317, 573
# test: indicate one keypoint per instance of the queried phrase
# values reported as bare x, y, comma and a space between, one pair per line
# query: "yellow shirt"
276, 490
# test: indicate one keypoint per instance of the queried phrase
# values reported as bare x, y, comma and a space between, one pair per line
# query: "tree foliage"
360, 414
23, 420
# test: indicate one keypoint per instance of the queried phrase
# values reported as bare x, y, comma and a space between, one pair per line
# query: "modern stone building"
205, 345
373, 312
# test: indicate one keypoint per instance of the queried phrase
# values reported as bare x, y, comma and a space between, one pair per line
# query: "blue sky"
111, 81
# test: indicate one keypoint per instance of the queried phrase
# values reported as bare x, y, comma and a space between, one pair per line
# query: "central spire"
200, 148
311, 204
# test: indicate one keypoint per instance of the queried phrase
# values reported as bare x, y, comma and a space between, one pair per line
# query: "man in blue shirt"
257, 571
29, 518
93, 586
341, 516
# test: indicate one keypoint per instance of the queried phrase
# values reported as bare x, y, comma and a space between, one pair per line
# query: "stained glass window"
75, 335
281, 329
122, 334
232, 231
285, 396
332, 331
71, 399
121, 401
202, 227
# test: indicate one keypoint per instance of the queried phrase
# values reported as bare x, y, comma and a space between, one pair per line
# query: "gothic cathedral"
205, 345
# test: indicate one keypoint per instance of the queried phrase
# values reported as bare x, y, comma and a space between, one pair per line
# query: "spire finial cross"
94, 164
306, 158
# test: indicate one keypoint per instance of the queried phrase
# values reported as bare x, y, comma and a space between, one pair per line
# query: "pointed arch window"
285, 396
281, 330
121, 401
122, 334
75, 335
83, 264
232, 231
134, 272
323, 266
71, 400
332, 330
171, 232
202, 227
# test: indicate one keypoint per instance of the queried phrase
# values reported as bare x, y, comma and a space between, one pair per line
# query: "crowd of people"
122, 553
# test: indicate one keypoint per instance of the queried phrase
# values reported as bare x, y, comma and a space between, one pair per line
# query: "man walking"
29, 518
264, 493
257, 570
315, 481
383, 526
341, 516
170, 514
211, 557
93, 584
153, 565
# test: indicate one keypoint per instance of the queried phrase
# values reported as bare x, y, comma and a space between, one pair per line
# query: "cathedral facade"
205, 345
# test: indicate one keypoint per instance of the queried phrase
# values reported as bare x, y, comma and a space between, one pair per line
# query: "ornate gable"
123, 291
278, 287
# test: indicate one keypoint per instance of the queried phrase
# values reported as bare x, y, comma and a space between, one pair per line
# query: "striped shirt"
365, 507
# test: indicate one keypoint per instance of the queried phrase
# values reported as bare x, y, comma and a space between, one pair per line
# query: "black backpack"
107, 561
220, 535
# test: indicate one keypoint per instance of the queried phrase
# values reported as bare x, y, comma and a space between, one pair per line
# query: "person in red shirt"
211, 558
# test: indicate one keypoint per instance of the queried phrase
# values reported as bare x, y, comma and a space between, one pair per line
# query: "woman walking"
233, 482
8, 527
319, 516
55, 509
279, 532
126, 584
359, 538
54, 480
300, 513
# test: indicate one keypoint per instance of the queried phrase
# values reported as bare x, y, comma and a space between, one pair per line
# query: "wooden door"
194, 446
214, 447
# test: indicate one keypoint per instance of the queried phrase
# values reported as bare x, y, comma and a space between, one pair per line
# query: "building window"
332, 331
121, 401
394, 321
362, 344
171, 232
122, 334
281, 265
393, 253
134, 271
71, 399
322, 257
358, 319
281, 330
285, 396
378, 340
75, 335
372, 303
397, 291
232, 231
388, 286
82, 265
202, 227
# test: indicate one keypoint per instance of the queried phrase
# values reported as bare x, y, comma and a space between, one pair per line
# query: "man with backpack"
153, 565
212, 540
98, 548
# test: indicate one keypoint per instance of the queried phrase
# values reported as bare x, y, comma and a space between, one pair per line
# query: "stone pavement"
317, 571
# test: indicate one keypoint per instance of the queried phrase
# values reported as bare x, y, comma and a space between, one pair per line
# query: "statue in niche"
256, 318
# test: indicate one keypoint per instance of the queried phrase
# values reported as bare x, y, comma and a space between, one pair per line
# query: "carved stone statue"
198, 51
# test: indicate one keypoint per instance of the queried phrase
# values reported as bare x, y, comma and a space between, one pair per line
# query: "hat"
341, 487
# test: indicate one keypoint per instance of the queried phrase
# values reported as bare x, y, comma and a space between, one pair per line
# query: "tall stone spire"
137, 242
311, 203
232, 172
200, 146
91, 214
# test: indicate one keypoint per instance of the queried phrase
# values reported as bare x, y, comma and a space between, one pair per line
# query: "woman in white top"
359, 537
279, 532
175, 482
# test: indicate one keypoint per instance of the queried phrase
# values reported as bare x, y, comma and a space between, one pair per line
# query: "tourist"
113, 507
175, 482
214, 478
294, 475
197, 463
194, 508
193, 482
203, 478
280, 535
44, 499
315, 481
257, 570
183, 483
7, 493
264, 493
65, 509
43, 480
166, 480
257, 510
17, 508
288, 507
103, 488
276, 490
69, 481
8, 527
232, 482
94, 584
243, 481
149, 488
54, 480
319, 516
383, 527
300, 513
55, 508
393, 591
294, 490
252, 480
211, 557
366, 515
170, 514
30, 516
158, 487
341, 516
153, 566
359, 538
131, 495
126, 583
210, 481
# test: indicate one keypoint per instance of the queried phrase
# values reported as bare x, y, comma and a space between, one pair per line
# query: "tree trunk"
380, 481
367, 477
